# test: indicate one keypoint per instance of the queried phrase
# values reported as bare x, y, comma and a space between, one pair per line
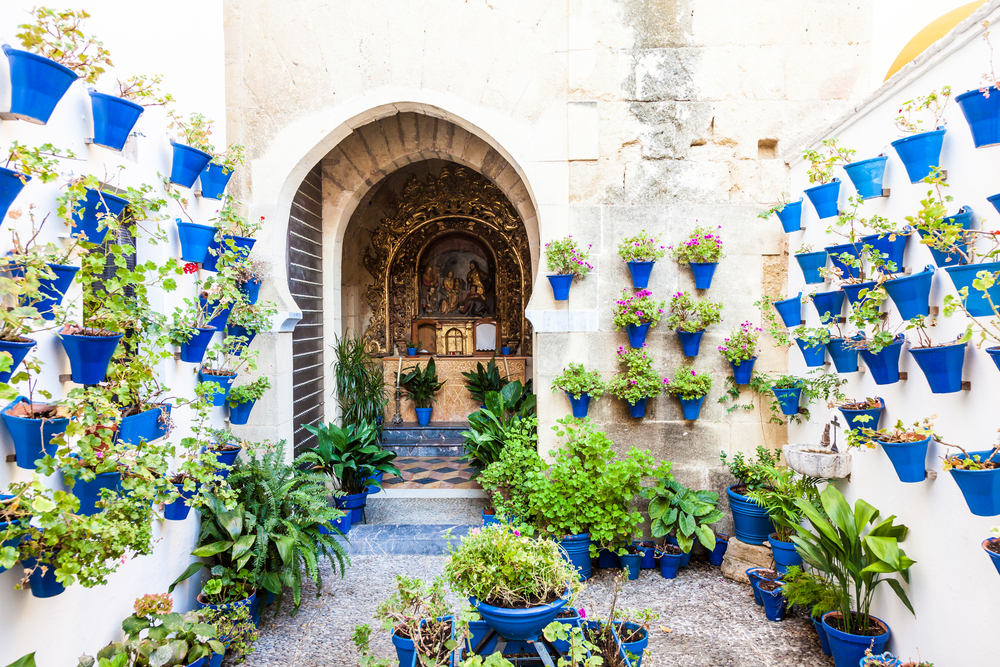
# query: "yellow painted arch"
934, 31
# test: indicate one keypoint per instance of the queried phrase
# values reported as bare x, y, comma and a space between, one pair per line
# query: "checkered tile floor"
439, 472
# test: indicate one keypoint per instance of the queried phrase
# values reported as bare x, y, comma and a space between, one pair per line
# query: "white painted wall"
189, 53
954, 586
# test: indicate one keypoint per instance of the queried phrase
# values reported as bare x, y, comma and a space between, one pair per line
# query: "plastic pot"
952, 258
824, 642
580, 405
891, 246
18, 350
89, 356
790, 309
669, 565
355, 503
89, 493
920, 153
719, 552
751, 522
560, 286
884, 366
193, 351
774, 603
994, 353
848, 649
815, 355
251, 290
976, 303
742, 370
824, 198
912, 294
854, 294
703, 272
114, 119
52, 289
576, 551
194, 240
636, 647
852, 249
788, 399
227, 458
638, 409
640, 273
851, 417
983, 115
608, 560
845, 357
691, 407
139, 428
685, 555
981, 488
791, 216
224, 383
235, 330
690, 342
214, 179
648, 550
811, 263
244, 244
829, 302
36, 85
10, 187
908, 458
404, 649
178, 510
942, 366
42, 585
424, 415
520, 624
240, 413
637, 334
993, 556
32, 437
89, 214
784, 554
867, 175
752, 576
188, 162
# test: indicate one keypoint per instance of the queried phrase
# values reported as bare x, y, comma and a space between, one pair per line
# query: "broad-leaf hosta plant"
350, 455
688, 514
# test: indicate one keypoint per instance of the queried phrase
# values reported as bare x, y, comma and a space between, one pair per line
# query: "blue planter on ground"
912, 294
36, 85
788, 399
981, 488
404, 649
43, 585
752, 576
815, 355
52, 289
824, 198
994, 353
790, 309
976, 303
920, 153
637, 334
791, 216
954, 257
845, 357
89, 493
669, 565
851, 417
983, 115
884, 366
824, 643
829, 302
236, 330
251, 290
244, 244
848, 649
179, 509
576, 550
691, 407
139, 428
908, 458
193, 351
685, 555
214, 179
995, 557
10, 187
811, 263
520, 624
703, 272
424, 415
580, 405
636, 647
867, 175
560, 286
240, 413
114, 119
891, 247
942, 366
194, 240
90, 213
719, 552
638, 409
648, 550
852, 249
640, 273
224, 382
32, 437
17, 350
375, 482
188, 162
608, 560
751, 521
89, 356
774, 603
853, 292
742, 370
784, 554
355, 503
690, 342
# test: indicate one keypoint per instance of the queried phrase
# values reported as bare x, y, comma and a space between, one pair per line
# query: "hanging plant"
637, 380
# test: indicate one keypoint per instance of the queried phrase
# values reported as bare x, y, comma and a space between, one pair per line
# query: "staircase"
435, 439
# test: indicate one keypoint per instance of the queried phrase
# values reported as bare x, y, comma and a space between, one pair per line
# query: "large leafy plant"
685, 512
488, 426
506, 478
349, 455
483, 380
780, 498
421, 384
360, 382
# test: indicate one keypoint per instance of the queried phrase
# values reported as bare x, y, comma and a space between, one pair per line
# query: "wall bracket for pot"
903, 375
967, 385
65, 377
930, 474
12, 458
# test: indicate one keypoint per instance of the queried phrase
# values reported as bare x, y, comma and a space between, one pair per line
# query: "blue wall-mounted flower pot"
995, 200
226, 458
788, 399
908, 458
243, 332
193, 351
560, 286
89, 356
853, 292
851, 417
995, 557
214, 179
32, 437
824, 198
43, 585
965, 218
17, 350
845, 357
114, 119
89, 493
852, 249
10, 187
790, 310
580, 405
811, 263
691, 407
719, 552
891, 247
703, 272
884, 366
751, 521
784, 554
221, 318
976, 303
576, 551
424, 415
815, 355
994, 353
640, 273
942, 366
36, 85
139, 428
251, 290
244, 245
637, 334
188, 163
983, 115
791, 216
240, 413
867, 176
920, 153
53, 289
829, 302
178, 510
742, 370
912, 294
638, 409
848, 649
195, 240
224, 382
690, 342
981, 488
89, 214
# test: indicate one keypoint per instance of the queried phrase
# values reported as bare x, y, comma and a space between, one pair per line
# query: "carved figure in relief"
476, 279
450, 287
475, 304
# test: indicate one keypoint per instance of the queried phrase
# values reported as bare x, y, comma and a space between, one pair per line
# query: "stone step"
741, 556
439, 448
424, 511
435, 431
417, 540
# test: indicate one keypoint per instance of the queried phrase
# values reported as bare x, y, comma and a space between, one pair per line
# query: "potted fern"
420, 385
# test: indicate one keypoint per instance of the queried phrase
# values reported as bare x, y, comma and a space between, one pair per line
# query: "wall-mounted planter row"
920, 153
791, 216
912, 294
790, 310
811, 263
942, 366
983, 115
867, 176
824, 198
36, 85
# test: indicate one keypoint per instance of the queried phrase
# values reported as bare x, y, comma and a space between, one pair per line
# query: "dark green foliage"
360, 383
349, 455
421, 384
487, 426
683, 511
484, 380
753, 475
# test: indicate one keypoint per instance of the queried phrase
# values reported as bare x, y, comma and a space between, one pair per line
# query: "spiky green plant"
360, 383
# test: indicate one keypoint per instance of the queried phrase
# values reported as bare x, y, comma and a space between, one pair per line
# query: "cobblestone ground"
705, 620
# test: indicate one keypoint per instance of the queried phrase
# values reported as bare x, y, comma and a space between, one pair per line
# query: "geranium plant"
58, 35
704, 246
689, 314
688, 383
636, 309
577, 380
564, 257
637, 380
643, 247
411, 603
742, 343
823, 162
924, 107
245, 393
506, 479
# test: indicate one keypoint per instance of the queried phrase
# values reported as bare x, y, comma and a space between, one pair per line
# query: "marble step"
431, 449
417, 540
434, 432
424, 511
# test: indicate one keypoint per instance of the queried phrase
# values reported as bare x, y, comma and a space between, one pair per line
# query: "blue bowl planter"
994, 353
703, 272
884, 366
224, 383
845, 357
791, 216
719, 552
846, 270
240, 413
188, 163
848, 649
788, 399
355, 503
752, 524
784, 554
214, 179
637, 646
424, 415
89, 356
983, 115
790, 310
139, 428
576, 551
742, 370
193, 351
815, 355
953, 258
43, 585
250, 290
10, 187
114, 119
640, 273
690, 342
178, 510
669, 565
88, 215
637, 334
89, 493
824, 198
32, 437
942, 366
36, 85
995, 557
981, 488
560, 286
691, 407
520, 624
580, 405
638, 409
234, 330
867, 176
891, 246
908, 458
851, 416
811, 263
912, 294
829, 302
18, 350
244, 245
194, 240
976, 303
774, 603
920, 153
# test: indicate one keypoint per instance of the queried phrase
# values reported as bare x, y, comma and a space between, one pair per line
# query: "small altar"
454, 402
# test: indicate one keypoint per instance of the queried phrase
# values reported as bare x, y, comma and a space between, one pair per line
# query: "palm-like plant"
349, 455
421, 384
484, 380
360, 382
779, 498
688, 513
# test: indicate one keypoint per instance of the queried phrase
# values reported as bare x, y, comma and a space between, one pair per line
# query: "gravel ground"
705, 620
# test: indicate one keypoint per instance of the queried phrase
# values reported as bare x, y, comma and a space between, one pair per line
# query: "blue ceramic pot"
194, 240
774, 603
17, 350
32, 437
52, 289
193, 351
851, 417
520, 624
953, 257
790, 310
36, 85
719, 552
224, 383
993, 556
214, 179
188, 162
505, 351
976, 303
637, 334
244, 245
178, 510
632, 563
983, 115
10, 187
920, 153
136, 429
981, 488
891, 247
648, 550
942, 366
42, 585
846, 270
576, 551
640, 273
240, 413
742, 370
637, 646
638, 409
752, 576
404, 649
250, 290
995, 200
912, 294
854, 294
788, 399
355, 503
784, 554
226, 458
791, 216
867, 176
908, 458
685, 555
221, 318
690, 342
114, 119
824, 642
811, 263
608, 560
994, 353
90, 213
89, 356
703, 272
815, 355
490, 519
580, 405
669, 565
691, 407
375, 482
411, 351
89, 493
236, 331
848, 649
845, 357
824, 198
751, 521
560, 286
424, 415
245, 602
829, 305
884, 366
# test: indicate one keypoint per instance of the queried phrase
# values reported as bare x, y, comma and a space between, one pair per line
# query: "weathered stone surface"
740, 557
672, 127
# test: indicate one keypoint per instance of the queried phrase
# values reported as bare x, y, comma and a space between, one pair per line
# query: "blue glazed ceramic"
560, 286
195, 240
751, 521
824, 198
912, 294
791, 216
867, 175
637, 334
942, 366
580, 405
89, 356
114, 119
790, 309
214, 179
690, 342
576, 550
703, 272
638, 409
848, 649
983, 115
640, 273
908, 458
188, 162
920, 153
36, 85
811, 263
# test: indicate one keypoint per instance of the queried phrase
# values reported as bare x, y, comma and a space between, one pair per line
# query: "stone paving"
710, 621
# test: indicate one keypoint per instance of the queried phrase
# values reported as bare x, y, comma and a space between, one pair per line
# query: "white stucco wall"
954, 586
186, 46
